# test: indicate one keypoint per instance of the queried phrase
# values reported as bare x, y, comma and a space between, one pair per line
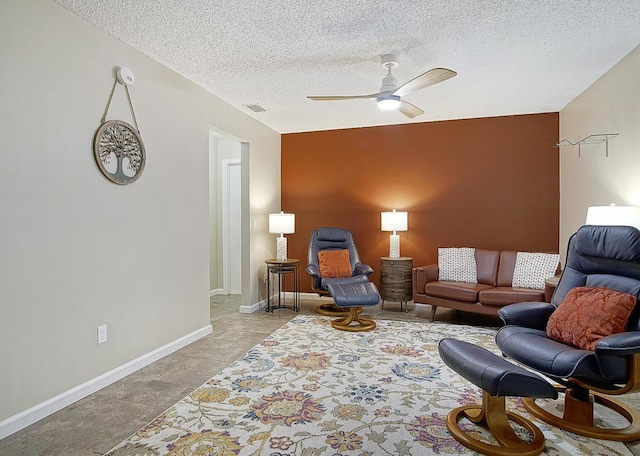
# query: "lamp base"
394, 246
281, 249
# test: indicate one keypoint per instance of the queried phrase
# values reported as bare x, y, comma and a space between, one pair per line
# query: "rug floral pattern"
311, 390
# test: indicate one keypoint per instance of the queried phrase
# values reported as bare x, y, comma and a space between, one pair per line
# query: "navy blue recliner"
328, 238
597, 256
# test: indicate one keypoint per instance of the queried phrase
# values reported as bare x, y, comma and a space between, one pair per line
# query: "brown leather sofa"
493, 290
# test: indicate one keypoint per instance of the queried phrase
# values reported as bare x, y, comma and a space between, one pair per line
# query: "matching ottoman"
354, 296
498, 378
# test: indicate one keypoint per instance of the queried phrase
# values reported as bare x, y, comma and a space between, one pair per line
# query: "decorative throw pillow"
532, 269
457, 264
335, 263
587, 314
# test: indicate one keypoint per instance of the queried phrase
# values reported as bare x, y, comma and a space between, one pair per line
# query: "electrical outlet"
264, 278
102, 334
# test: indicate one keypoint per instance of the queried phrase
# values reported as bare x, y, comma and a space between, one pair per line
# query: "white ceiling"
512, 56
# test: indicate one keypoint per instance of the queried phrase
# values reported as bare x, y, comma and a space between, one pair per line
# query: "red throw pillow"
335, 263
587, 314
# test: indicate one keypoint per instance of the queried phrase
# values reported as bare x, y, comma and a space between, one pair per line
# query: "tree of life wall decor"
117, 146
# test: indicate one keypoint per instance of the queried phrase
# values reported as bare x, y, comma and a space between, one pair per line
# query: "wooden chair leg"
578, 417
331, 310
433, 313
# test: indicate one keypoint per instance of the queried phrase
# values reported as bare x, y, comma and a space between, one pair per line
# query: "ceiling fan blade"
343, 97
409, 109
427, 79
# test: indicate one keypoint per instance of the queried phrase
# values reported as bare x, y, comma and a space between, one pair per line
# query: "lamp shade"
282, 223
394, 221
614, 215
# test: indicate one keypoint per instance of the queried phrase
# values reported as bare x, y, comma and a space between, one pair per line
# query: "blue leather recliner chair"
597, 256
328, 238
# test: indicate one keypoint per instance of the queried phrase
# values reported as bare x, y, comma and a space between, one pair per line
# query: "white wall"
610, 105
78, 251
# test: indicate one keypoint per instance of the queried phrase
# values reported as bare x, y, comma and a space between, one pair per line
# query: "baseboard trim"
217, 291
37, 412
314, 296
253, 307
287, 295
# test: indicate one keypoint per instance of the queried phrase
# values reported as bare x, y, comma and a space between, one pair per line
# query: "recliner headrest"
332, 234
614, 242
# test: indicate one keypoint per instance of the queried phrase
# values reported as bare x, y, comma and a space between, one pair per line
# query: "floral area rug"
311, 390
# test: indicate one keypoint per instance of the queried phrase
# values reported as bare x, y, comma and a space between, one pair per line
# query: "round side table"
277, 273
395, 280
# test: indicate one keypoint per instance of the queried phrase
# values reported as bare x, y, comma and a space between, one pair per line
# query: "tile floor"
97, 423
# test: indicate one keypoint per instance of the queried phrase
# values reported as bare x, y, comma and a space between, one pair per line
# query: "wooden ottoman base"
492, 413
344, 324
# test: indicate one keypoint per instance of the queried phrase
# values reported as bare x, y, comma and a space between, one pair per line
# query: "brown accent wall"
488, 183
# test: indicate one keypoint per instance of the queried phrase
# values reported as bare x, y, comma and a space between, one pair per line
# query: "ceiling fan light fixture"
390, 95
389, 102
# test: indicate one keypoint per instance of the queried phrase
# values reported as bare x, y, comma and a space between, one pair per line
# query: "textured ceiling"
512, 56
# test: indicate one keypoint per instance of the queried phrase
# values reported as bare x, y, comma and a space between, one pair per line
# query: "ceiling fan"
390, 95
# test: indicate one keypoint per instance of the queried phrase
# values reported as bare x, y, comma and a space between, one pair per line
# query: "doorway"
225, 214
232, 225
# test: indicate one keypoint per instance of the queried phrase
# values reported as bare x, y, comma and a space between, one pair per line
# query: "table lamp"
614, 215
282, 224
394, 221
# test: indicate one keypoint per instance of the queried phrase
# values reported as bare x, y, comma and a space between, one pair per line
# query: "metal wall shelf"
591, 139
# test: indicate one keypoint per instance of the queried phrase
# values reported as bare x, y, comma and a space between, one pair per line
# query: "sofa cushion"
457, 265
505, 270
487, 265
460, 291
501, 296
532, 269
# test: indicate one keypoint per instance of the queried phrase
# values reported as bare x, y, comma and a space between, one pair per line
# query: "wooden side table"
277, 272
550, 287
395, 280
